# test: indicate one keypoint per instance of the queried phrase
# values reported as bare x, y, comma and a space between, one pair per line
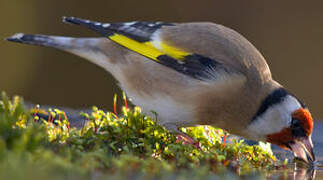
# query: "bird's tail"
40, 40
88, 48
60, 42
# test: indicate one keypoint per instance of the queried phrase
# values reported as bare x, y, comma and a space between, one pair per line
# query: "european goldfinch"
194, 74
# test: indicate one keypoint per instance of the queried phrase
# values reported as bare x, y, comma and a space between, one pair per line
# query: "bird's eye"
295, 123
297, 128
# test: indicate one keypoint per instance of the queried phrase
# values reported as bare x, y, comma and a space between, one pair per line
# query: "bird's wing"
143, 38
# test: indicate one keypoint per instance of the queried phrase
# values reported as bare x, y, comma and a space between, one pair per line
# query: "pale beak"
303, 149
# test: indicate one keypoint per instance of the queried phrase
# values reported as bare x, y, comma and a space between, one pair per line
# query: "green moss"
130, 145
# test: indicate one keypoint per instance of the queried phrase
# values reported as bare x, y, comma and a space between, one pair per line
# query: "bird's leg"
182, 137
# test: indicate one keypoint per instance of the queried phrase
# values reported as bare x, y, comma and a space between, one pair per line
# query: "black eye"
297, 128
295, 123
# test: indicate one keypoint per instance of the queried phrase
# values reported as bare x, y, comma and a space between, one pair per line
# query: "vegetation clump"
129, 145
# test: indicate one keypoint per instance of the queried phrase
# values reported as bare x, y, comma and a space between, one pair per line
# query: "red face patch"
305, 118
285, 135
281, 138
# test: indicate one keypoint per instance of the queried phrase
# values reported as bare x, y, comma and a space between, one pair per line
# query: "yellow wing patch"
173, 51
148, 49
170, 50
136, 46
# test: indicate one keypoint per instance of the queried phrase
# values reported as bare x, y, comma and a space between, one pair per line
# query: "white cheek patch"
276, 118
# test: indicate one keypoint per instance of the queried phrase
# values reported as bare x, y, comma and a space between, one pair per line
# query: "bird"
194, 73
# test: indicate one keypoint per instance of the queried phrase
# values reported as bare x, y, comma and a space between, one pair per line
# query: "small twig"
125, 100
115, 104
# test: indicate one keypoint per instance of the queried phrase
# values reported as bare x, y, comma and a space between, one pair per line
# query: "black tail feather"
41, 40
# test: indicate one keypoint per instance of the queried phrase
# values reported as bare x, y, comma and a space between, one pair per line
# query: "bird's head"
297, 136
285, 121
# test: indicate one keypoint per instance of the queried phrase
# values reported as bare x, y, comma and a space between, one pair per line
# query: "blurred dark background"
288, 33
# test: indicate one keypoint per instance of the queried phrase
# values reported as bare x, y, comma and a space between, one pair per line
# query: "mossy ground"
130, 145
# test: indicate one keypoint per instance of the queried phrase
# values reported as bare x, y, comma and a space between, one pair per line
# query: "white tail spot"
17, 36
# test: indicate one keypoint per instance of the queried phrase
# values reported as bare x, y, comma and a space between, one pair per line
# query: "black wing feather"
194, 65
140, 31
